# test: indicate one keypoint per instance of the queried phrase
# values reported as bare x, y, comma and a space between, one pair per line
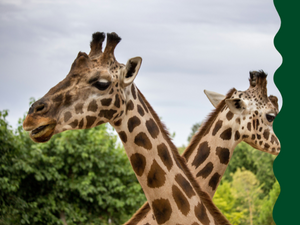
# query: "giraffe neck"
171, 191
206, 165
211, 149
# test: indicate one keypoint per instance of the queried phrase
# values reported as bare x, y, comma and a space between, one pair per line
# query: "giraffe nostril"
40, 108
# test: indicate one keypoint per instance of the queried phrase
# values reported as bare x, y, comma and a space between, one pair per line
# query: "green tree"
268, 205
10, 176
247, 189
227, 203
77, 177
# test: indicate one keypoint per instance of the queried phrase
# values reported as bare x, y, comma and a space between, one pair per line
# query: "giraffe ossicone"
97, 90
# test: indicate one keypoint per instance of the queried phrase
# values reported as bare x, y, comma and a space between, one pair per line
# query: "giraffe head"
94, 92
253, 112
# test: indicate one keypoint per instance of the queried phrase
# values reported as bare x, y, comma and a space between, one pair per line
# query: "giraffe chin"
42, 133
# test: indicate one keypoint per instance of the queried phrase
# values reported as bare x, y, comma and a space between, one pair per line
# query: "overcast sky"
187, 46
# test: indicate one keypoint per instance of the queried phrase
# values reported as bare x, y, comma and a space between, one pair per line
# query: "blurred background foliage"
84, 177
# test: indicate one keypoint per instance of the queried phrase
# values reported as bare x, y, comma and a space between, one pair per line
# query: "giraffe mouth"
42, 133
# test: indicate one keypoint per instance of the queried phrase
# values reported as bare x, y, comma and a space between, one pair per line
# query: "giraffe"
239, 116
97, 90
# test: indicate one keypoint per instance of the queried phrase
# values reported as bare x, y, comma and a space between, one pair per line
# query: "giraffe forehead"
256, 100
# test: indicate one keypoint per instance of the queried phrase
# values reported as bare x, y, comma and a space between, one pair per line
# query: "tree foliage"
227, 202
78, 177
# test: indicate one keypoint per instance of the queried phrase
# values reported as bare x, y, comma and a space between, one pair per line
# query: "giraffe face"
254, 114
249, 115
94, 92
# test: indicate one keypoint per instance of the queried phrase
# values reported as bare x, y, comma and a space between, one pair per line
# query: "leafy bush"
78, 177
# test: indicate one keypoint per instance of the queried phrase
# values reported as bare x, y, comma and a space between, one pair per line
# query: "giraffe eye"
102, 84
270, 117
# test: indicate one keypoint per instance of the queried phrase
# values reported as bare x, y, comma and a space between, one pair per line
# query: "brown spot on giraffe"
93, 106
162, 210
217, 127
257, 124
156, 177
226, 134
180, 200
266, 134
67, 116
201, 214
130, 106
90, 121
117, 101
152, 128
214, 180
237, 135
133, 91
267, 146
140, 110
274, 139
138, 162
206, 171
106, 101
229, 115
202, 154
58, 99
118, 123
185, 185
142, 140
74, 124
123, 136
133, 122
108, 114
78, 108
249, 126
223, 154
165, 156
80, 126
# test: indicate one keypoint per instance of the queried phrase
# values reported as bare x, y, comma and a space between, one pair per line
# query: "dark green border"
286, 125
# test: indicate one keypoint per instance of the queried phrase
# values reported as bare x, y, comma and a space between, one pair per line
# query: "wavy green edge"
286, 125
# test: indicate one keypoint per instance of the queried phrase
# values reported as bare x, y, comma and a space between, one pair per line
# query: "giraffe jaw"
42, 133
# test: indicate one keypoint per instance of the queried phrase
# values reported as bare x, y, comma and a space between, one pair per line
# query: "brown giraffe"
98, 89
240, 116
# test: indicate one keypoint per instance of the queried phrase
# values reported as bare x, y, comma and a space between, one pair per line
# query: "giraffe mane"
205, 198
205, 126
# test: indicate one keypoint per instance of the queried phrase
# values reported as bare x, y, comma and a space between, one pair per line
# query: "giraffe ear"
274, 101
214, 98
131, 70
236, 105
